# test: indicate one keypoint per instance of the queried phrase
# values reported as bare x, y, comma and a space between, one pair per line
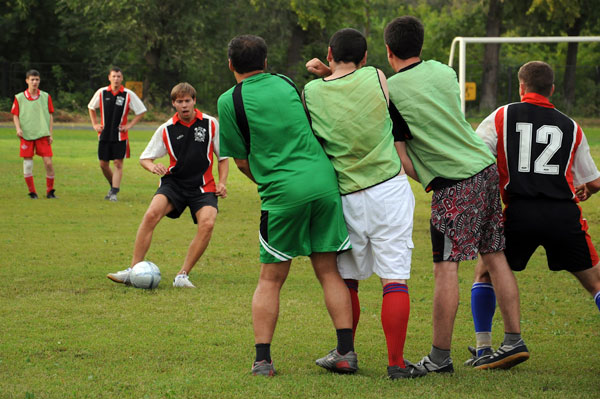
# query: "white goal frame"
462, 51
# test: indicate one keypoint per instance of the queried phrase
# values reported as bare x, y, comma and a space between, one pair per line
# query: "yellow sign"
470, 91
136, 87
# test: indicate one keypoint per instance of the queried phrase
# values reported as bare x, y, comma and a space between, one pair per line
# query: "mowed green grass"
66, 331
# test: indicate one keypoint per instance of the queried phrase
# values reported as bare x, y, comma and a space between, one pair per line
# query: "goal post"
462, 51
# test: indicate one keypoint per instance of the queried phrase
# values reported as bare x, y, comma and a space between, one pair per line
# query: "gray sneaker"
411, 371
112, 197
107, 196
474, 358
505, 357
121, 277
346, 364
263, 368
426, 364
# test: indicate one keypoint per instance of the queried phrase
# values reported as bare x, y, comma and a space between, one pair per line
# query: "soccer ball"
145, 275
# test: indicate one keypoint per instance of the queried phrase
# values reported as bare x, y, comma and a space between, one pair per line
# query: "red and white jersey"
114, 107
541, 152
15, 107
190, 148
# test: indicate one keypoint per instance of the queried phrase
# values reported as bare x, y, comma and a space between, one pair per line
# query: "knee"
104, 165
152, 217
206, 224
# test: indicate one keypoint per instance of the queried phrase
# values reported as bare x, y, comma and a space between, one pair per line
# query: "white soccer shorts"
380, 222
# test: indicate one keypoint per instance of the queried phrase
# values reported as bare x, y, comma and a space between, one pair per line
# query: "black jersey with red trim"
114, 108
191, 148
536, 145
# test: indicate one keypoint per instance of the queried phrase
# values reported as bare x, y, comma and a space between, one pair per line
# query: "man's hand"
317, 67
159, 169
98, 127
582, 192
221, 190
20, 132
124, 128
50, 139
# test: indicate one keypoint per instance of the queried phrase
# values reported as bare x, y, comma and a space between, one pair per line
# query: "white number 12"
546, 134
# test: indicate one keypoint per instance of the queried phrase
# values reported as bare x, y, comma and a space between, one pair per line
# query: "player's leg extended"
49, 174
483, 307
395, 311
507, 292
28, 175
265, 306
205, 217
117, 175
445, 305
106, 171
590, 280
159, 207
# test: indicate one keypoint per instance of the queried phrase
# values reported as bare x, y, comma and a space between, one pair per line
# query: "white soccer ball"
145, 275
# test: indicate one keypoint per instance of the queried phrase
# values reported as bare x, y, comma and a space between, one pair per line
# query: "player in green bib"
466, 213
265, 129
32, 114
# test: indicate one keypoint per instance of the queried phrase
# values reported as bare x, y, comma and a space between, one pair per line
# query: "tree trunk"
489, 85
294, 52
571, 67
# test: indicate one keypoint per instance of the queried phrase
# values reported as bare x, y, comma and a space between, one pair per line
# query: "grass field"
66, 331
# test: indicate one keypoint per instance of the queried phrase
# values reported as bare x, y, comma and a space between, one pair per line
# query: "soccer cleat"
411, 371
263, 368
182, 280
505, 357
474, 358
427, 365
107, 196
112, 197
344, 364
121, 277
51, 194
33, 195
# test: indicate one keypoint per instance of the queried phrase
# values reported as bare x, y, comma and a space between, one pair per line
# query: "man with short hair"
32, 115
545, 170
265, 129
115, 102
466, 214
190, 138
349, 111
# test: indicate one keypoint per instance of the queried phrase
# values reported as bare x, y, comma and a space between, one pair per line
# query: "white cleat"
182, 281
121, 277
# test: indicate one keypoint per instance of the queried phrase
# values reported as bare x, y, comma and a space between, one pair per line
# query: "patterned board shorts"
466, 218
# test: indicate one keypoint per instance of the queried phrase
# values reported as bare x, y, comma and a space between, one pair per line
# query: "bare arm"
17, 123
51, 139
221, 190
150, 166
133, 122
244, 167
585, 191
97, 126
317, 67
407, 164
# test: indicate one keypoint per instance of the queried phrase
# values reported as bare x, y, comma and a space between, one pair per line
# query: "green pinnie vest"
34, 116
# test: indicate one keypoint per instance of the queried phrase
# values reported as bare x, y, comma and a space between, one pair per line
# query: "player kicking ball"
545, 170
190, 138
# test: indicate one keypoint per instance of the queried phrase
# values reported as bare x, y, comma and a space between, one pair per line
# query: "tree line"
162, 42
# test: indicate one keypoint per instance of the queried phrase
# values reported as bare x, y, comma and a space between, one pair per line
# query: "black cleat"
51, 194
33, 195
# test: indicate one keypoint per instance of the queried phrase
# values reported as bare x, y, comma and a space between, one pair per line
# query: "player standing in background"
265, 129
349, 111
32, 114
114, 103
466, 214
545, 169
190, 138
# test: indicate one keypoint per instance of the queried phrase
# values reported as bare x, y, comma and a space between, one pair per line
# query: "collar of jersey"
121, 90
537, 99
30, 97
177, 120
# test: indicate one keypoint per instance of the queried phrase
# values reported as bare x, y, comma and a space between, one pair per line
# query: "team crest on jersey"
199, 134
119, 101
